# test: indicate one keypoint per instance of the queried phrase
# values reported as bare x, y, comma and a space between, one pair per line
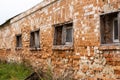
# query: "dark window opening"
63, 34
19, 41
34, 39
58, 35
109, 28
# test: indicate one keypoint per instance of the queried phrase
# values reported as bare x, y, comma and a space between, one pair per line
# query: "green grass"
12, 71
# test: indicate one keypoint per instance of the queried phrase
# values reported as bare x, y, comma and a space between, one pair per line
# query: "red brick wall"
87, 59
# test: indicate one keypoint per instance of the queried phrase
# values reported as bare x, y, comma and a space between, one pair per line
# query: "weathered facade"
80, 38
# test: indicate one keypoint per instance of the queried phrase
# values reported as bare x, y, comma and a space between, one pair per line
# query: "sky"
10, 8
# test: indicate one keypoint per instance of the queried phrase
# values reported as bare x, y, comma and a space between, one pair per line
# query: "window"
115, 30
63, 34
34, 39
18, 41
68, 34
109, 26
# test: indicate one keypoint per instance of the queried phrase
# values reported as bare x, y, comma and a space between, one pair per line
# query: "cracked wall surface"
87, 60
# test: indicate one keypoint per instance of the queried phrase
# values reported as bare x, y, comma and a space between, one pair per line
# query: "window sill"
35, 49
62, 47
18, 48
113, 46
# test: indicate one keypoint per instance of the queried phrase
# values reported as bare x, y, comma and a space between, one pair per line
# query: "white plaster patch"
101, 52
97, 26
91, 58
89, 13
44, 30
95, 15
25, 37
95, 47
57, 9
97, 34
77, 36
71, 10
88, 6
77, 54
83, 32
97, 51
83, 38
53, 8
88, 50
95, 30
76, 14
81, 22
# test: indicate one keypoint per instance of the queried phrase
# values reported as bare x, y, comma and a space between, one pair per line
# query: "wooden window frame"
56, 35
36, 35
18, 41
64, 45
69, 43
64, 33
114, 43
115, 40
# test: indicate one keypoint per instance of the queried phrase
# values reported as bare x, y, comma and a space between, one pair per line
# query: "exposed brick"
87, 57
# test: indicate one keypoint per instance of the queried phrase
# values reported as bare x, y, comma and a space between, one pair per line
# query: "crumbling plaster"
87, 53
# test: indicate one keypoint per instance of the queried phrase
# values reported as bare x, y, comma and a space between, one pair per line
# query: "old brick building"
80, 38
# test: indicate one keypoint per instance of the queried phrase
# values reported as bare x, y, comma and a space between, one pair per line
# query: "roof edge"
32, 10
28, 12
